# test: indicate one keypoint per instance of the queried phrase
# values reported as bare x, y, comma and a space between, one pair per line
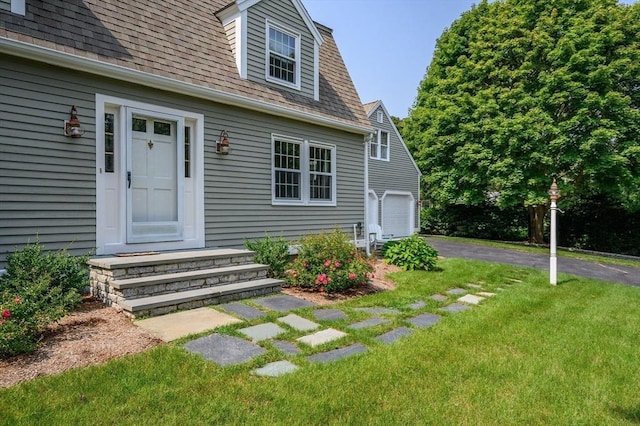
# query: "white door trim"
110, 187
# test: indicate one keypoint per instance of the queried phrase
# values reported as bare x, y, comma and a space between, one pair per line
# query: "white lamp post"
554, 193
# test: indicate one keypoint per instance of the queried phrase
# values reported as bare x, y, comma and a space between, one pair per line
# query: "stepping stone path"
321, 337
286, 347
417, 305
224, 350
424, 320
455, 308
338, 353
393, 335
284, 303
227, 350
262, 331
299, 323
329, 314
371, 322
471, 299
243, 311
275, 369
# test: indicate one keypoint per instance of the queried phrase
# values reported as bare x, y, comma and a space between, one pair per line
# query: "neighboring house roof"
180, 46
370, 108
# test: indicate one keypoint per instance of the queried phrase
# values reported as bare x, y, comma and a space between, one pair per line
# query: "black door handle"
128, 179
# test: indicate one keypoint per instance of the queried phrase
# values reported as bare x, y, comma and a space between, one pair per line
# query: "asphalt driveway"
613, 273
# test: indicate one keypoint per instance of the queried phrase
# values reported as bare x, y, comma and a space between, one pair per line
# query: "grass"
533, 354
543, 250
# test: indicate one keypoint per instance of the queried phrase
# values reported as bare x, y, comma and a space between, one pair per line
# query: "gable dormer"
274, 42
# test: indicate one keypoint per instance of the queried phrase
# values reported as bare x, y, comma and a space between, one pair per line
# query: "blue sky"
388, 44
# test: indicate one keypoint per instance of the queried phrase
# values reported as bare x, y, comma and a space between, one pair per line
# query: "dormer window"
283, 56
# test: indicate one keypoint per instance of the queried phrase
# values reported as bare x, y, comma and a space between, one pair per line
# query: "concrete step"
199, 278
189, 299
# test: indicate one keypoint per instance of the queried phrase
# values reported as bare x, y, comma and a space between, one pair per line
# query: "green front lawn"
533, 354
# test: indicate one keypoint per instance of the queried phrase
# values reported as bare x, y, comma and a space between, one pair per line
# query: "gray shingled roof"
181, 40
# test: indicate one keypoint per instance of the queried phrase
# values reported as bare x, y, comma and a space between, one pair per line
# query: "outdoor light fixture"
222, 145
554, 194
359, 228
72, 127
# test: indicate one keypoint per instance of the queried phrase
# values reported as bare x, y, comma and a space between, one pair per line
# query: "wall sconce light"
222, 145
72, 127
359, 229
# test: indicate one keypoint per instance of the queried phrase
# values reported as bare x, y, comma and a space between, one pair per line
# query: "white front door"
155, 165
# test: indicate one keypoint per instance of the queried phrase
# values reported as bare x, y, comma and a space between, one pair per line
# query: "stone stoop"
156, 284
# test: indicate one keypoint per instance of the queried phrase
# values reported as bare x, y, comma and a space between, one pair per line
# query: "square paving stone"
471, 299
298, 322
476, 286
371, 322
262, 331
224, 350
439, 298
275, 369
172, 326
486, 294
286, 347
456, 291
455, 308
393, 335
320, 337
329, 314
284, 303
243, 311
417, 305
338, 353
424, 320
378, 310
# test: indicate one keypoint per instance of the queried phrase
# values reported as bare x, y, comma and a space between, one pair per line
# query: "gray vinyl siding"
230, 30
397, 174
5, 5
284, 13
47, 181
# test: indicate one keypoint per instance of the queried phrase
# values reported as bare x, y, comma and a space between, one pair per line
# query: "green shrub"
329, 262
387, 245
273, 252
412, 253
37, 290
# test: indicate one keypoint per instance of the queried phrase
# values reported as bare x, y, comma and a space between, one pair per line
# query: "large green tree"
523, 91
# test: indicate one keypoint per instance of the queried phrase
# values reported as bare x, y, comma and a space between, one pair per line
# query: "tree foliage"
523, 91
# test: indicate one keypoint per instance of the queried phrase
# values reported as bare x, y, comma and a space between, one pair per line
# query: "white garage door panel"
396, 215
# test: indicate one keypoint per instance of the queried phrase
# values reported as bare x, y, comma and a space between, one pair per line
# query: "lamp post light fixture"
554, 194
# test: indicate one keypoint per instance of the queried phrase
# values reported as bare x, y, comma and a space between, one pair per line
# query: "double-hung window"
283, 56
379, 146
304, 172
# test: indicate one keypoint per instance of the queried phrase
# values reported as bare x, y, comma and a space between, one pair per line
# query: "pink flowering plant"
329, 262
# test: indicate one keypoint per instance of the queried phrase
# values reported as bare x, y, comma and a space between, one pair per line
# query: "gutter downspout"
367, 140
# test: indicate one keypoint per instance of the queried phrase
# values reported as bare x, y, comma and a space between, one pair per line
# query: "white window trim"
305, 174
268, 25
19, 7
377, 142
380, 116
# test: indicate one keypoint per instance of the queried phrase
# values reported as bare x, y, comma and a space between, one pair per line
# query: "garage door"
397, 215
